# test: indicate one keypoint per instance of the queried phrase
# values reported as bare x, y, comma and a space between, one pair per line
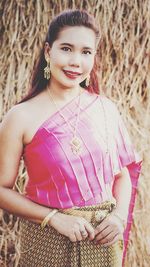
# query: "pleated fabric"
60, 179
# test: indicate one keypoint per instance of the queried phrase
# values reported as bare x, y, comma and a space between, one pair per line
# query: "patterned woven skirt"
47, 248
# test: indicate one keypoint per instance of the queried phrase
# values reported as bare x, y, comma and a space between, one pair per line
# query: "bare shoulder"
26, 117
20, 115
14, 121
15, 117
11, 143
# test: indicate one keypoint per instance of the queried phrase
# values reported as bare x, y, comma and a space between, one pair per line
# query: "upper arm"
11, 146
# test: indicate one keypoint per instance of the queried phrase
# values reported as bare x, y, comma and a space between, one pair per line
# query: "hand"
73, 227
109, 230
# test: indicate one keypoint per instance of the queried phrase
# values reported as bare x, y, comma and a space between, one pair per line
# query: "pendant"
76, 145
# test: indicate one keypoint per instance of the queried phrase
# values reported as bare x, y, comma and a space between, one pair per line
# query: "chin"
70, 84
65, 83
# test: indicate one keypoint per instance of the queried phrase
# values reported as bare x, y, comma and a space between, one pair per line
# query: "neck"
64, 93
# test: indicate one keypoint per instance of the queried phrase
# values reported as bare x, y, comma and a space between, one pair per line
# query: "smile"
71, 74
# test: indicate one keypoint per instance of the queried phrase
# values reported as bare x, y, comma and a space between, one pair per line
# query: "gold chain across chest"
76, 142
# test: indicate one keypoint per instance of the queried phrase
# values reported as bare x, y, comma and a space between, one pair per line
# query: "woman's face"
72, 56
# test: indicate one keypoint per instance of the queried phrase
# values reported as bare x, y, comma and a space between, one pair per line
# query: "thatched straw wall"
124, 56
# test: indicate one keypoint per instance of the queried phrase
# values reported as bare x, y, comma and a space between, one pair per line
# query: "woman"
78, 155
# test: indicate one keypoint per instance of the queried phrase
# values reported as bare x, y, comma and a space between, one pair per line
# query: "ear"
46, 50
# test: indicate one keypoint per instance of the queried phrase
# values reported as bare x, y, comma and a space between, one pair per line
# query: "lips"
71, 74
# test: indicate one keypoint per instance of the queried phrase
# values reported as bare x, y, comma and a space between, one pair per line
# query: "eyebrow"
85, 47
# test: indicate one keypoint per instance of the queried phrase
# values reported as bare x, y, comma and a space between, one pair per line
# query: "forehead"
77, 35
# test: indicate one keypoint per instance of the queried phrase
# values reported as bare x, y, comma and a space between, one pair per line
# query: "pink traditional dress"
58, 178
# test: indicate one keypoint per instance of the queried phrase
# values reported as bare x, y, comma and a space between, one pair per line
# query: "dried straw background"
124, 56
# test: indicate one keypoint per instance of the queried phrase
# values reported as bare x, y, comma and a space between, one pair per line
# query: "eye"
87, 52
65, 48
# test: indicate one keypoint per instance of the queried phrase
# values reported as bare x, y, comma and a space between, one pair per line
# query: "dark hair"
66, 18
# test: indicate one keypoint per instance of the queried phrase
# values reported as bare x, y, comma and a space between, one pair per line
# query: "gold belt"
92, 214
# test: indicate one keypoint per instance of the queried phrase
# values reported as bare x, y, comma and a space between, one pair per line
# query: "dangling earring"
47, 70
87, 82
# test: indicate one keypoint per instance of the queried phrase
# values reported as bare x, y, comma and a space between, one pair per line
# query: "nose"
75, 60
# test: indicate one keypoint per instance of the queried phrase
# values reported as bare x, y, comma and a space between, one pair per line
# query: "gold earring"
47, 70
87, 82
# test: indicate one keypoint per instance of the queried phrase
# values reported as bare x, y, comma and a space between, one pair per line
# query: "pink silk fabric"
59, 179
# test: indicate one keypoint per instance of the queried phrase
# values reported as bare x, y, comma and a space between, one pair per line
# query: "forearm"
122, 189
19, 205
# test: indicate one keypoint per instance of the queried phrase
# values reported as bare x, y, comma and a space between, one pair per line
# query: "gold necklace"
75, 143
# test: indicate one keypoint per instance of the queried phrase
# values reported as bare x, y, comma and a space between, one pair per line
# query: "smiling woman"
71, 56
80, 161
76, 20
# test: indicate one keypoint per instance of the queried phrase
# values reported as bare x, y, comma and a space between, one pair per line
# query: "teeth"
72, 73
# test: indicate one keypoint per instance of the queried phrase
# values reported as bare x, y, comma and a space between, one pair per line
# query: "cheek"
57, 64
88, 63
55, 60
58, 59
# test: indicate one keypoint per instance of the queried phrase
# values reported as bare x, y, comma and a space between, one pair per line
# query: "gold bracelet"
48, 217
